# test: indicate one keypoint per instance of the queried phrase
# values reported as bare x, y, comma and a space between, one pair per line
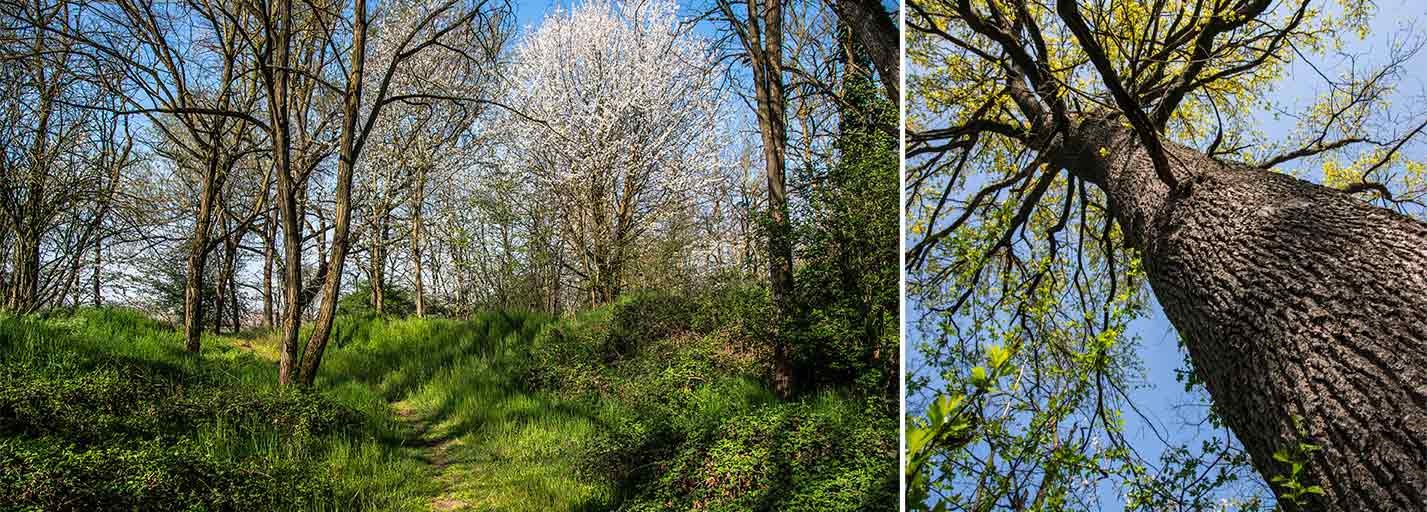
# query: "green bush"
689, 423
396, 301
846, 331
109, 404
638, 319
46, 474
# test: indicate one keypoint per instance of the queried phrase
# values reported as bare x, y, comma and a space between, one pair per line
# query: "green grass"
652, 403
107, 393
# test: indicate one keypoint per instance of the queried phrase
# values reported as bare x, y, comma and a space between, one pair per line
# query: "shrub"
46, 474
822, 454
396, 301
689, 423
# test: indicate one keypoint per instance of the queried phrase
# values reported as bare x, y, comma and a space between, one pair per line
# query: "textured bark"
346, 162
278, 91
1295, 301
220, 285
269, 249
25, 274
198, 259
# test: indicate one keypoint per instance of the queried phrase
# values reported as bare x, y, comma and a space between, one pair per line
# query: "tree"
876, 32
415, 143
1068, 154
62, 157
189, 88
759, 28
621, 112
447, 27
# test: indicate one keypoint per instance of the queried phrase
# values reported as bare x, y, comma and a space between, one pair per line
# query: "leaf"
998, 356
978, 377
1281, 456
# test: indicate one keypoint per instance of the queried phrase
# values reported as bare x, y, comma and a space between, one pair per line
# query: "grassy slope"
501, 412
121, 374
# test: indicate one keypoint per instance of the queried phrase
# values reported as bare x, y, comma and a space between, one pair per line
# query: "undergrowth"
689, 422
656, 402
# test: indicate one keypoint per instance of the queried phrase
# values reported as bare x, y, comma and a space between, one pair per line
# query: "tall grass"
341, 448
651, 403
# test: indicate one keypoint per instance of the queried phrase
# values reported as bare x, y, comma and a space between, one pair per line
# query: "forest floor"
102, 409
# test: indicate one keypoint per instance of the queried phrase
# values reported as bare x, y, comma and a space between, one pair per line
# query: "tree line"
242, 164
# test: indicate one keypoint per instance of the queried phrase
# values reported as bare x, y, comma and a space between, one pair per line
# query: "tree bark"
1297, 303
876, 32
346, 163
417, 202
269, 250
25, 277
766, 52
98, 266
229, 276
198, 258
278, 85
220, 283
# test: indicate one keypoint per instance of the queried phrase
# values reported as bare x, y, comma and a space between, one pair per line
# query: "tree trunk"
876, 32
346, 163
291, 282
25, 278
275, 68
220, 283
766, 52
377, 281
269, 234
1298, 304
198, 260
98, 266
418, 201
230, 271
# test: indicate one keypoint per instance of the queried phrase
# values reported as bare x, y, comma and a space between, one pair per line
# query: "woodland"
1076, 168
449, 255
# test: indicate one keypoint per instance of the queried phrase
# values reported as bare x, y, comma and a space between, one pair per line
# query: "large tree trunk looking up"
1298, 304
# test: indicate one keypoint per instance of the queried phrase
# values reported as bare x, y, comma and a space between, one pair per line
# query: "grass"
110, 385
652, 403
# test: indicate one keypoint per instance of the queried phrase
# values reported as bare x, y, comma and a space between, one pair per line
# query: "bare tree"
759, 27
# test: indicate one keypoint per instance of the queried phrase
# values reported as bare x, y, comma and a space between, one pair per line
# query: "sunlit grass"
505, 448
498, 412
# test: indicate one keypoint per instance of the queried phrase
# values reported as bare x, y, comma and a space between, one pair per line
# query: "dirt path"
435, 452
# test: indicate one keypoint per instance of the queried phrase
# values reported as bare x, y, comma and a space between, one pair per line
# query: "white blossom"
624, 106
